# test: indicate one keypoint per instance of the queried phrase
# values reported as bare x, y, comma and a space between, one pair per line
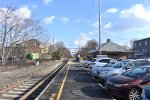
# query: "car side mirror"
127, 68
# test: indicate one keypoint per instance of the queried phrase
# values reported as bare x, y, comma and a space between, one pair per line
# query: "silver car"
119, 69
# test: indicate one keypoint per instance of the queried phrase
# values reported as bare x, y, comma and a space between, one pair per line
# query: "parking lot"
75, 83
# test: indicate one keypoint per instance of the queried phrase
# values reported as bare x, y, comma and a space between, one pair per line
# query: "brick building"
142, 48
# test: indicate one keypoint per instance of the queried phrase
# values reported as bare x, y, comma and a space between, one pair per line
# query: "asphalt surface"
74, 83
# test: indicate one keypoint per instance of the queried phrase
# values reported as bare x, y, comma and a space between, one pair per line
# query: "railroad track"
31, 87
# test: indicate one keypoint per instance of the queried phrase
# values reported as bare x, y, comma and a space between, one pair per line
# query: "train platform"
73, 82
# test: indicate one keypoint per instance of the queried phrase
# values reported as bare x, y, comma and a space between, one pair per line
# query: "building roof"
142, 39
34, 41
111, 47
31, 41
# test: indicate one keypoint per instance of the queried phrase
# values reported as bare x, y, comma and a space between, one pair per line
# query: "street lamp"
99, 27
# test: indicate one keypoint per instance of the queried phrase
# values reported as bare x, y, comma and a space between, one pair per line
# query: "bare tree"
66, 53
90, 45
59, 47
132, 43
14, 30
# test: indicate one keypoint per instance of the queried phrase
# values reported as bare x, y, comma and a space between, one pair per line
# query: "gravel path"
12, 76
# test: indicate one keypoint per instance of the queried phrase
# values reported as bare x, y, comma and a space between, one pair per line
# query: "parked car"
96, 69
99, 62
87, 62
101, 56
121, 68
129, 85
145, 93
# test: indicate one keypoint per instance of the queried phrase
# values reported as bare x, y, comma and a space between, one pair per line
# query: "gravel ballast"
12, 76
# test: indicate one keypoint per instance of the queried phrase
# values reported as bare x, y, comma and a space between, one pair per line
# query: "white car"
100, 62
87, 62
97, 69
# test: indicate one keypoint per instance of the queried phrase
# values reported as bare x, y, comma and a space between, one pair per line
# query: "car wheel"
134, 94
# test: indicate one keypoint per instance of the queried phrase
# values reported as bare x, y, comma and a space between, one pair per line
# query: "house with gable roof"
112, 50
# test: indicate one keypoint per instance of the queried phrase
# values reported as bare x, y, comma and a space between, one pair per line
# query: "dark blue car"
146, 93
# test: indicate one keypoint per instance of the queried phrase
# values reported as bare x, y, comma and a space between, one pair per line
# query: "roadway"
73, 82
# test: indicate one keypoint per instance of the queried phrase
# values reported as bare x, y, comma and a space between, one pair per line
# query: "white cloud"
96, 24
49, 20
136, 18
108, 25
112, 10
46, 2
23, 12
137, 11
91, 33
82, 40
65, 19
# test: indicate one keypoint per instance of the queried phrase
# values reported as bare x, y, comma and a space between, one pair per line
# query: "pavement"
73, 82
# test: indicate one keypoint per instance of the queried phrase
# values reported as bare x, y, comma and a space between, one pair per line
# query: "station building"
112, 50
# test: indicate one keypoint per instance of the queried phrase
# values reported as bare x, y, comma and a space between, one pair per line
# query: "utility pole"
100, 27
53, 42
79, 46
53, 48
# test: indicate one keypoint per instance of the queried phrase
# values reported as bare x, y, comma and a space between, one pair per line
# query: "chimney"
108, 40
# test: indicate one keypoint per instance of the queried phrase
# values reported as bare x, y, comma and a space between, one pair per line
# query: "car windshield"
120, 64
134, 64
93, 60
137, 72
111, 64
104, 60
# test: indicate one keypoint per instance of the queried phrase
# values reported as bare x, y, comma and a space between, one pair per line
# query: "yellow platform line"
63, 83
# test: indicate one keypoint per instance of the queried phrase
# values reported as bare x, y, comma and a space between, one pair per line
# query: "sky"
76, 21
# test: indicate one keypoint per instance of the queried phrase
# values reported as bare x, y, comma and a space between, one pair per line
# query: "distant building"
112, 50
21, 50
142, 48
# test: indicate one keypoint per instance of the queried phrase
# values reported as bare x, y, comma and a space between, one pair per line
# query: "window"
147, 77
137, 72
105, 61
143, 63
139, 43
145, 42
143, 51
135, 51
135, 44
120, 64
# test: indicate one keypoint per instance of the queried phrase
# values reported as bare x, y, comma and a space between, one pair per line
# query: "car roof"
102, 58
129, 60
142, 59
148, 66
